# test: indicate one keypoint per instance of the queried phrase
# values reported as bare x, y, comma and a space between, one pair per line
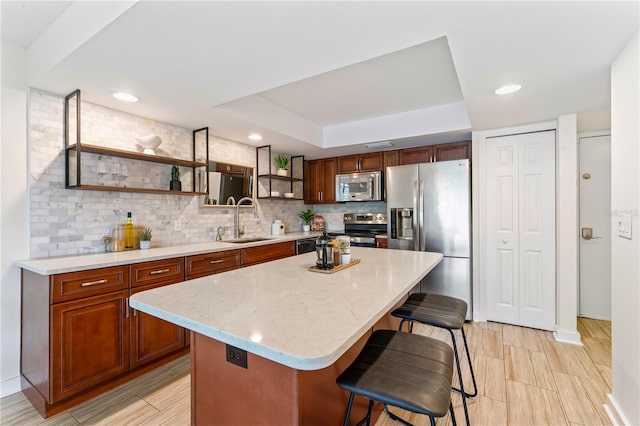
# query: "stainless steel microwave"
359, 187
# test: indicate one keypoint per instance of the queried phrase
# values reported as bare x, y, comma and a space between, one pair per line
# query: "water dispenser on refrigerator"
402, 225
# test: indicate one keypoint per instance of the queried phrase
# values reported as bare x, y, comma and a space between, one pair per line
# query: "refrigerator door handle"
414, 219
421, 224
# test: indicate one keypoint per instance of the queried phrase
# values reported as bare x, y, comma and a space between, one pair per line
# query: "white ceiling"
322, 78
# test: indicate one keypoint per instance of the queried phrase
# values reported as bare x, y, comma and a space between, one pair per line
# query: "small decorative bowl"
148, 144
275, 193
288, 195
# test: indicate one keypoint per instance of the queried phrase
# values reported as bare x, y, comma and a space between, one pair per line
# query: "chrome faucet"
236, 225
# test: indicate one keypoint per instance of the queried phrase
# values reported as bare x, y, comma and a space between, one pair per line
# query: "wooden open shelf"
94, 149
133, 189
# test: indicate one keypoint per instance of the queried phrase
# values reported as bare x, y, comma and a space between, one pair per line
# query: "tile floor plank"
524, 377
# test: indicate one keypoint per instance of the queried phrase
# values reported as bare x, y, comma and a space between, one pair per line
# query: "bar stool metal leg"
464, 394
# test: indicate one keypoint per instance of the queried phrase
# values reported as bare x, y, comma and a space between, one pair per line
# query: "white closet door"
502, 229
520, 270
537, 230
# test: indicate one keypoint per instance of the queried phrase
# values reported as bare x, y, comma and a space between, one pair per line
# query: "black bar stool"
404, 370
442, 312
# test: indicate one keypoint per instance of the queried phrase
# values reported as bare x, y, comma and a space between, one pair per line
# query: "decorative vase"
175, 185
145, 245
282, 172
306, 228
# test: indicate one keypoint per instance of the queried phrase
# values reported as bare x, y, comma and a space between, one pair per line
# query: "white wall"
624, 401
13, 205
567, 230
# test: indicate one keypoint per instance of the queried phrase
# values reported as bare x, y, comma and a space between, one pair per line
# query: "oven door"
357, 241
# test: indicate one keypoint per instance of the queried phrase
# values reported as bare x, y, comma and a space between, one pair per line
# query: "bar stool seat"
443, 312
404, 370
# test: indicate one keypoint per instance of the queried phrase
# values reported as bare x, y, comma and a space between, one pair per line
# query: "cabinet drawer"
260, 254
167, 271
210, 263
76, 285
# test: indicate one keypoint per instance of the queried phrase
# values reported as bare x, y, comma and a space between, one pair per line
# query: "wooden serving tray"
335, 269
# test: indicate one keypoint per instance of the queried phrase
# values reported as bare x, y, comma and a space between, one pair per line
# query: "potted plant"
145, 238
344, 245
307, 217
282, 161
175, 184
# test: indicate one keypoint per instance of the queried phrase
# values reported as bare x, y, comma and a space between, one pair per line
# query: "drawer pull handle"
90, 283
159, 271
213, 262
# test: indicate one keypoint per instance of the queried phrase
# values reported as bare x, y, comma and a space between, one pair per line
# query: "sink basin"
246, 240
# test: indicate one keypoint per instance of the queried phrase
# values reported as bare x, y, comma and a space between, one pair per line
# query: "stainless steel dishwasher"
305, 245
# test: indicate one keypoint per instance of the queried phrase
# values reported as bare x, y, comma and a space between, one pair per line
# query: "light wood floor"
524, 378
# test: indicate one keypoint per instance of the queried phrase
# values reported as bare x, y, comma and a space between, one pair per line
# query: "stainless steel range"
363, 228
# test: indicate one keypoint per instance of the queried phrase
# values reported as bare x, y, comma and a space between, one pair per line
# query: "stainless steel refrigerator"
429, 209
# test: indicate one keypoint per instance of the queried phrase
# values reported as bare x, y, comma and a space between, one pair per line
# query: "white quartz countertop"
59, 265
282, 311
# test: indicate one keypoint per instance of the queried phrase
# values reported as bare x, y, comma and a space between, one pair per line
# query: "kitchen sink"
246, 240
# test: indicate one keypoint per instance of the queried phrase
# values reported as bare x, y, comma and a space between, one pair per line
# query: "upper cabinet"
360, 163
431, 153
101, 168
320, 181
452, 151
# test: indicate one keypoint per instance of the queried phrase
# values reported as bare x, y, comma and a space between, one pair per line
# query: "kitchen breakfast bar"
300, 329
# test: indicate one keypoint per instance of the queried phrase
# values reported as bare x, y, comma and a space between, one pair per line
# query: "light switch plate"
624, 226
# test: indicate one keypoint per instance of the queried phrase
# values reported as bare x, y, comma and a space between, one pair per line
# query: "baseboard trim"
597, 317
10, 386
572, 337
614, 413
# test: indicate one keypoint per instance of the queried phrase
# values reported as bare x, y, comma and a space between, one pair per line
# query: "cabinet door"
421, 154
202, 265
312, 181
370, 162
389, 159
328, 188
266, 253
452, 151
89, 343
348, 164
151, 337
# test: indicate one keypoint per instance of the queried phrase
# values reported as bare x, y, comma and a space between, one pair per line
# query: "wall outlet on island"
237, 356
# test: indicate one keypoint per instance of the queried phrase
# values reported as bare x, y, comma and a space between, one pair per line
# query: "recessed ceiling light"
255, 137
508, 88
125, 97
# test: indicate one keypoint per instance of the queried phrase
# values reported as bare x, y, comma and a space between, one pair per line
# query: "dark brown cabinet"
151, 337
452, 151
266, 253
360, 163
390, 159
417, 155
201, 265
320, 181
431, 153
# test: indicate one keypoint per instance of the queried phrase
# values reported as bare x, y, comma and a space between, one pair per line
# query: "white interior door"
520, 270
595, 227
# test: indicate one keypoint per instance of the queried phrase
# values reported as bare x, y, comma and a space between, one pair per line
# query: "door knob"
587, 234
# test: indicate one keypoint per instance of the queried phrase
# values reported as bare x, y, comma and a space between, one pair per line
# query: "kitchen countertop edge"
64, 264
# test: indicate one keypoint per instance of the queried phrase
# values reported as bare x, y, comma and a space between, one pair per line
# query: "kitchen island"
300, 330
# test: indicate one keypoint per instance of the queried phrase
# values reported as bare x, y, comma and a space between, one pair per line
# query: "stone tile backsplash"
70, 221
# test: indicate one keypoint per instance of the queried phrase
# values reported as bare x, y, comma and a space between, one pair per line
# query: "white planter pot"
306, 228
345, 259
282, 172
145, 245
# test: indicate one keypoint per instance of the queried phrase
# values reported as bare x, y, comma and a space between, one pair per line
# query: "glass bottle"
129, 239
